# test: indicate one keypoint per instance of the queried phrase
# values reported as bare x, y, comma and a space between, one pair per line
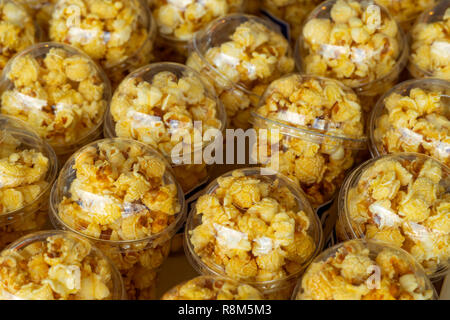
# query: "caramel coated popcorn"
242, 67
430, 47
406, 11
60, 93
17, 30
415, 121
57, 267
252, 229
121, 193
405, 201
115, 33
348, 274
211, 288
355, 42
317, 162
41, 12
166, 111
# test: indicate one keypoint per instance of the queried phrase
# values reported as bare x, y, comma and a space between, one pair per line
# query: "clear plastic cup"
293, 12
430, 43
59, 92
28, 168
364, 270
405, 12
169, 107
255, 226
177, 22
356, 42
122, 195
57, 265
402, 199
19, 31
212, 288
310, 129
117, 34
414, 116
241, 55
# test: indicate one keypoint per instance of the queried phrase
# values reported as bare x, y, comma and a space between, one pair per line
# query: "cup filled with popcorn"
17, 30
241, 55
405, 12
402, 199
356, 42
59, 92
212, 288
292, 12
117, 34
255, 226
121, 194
364, 270
57, 265
177, 21
430, 43
310, 129
169, 107
414, 116
28, 168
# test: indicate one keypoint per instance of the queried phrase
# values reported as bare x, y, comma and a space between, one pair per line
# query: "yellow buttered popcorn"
170, 108
212, 288
413, 117
364, 270
247, 53
254, 228
17, 30
314, 129
356, 42
122, 194
402, 199
430, 44
117, 34
59, 92
55, 265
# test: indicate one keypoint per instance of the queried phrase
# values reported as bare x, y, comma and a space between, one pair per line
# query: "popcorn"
413, 117
81, 273
398, 199
356, 42
117, 34
405, 12
358, 270
319, 159
212, 288
430, 44
243, 65
235, 233
17, 30
59, 92
123, 194
164, 106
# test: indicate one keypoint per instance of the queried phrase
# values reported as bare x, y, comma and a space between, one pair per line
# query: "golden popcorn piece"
55, 265
320, 127
355, 42
360, 270
167, 106
212, 288
430, 44
242, 64
116, 34
123, 196
17, 30
246, 227
399, 199
413, 117
59, 92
